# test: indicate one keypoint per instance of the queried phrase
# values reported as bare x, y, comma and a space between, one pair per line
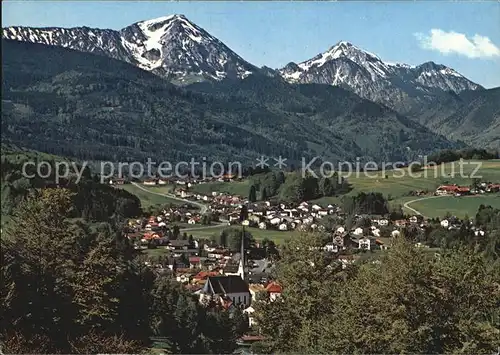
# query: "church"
232, 288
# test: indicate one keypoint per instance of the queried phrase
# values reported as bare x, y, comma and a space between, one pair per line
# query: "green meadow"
148, 199
456, 206
259, 234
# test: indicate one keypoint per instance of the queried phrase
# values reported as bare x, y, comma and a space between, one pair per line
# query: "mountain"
93, 107
171, 47
376, 131
175, 48
475, 119
398, 86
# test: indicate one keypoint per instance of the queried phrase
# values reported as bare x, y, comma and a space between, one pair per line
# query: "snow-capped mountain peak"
169, 46
351, 67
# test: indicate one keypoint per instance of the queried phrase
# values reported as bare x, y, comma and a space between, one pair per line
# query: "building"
232, 287
229, 287
274, 290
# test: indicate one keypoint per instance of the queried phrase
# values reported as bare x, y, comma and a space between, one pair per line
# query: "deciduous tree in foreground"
411, 301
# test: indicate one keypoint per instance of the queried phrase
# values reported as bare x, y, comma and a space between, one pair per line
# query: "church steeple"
241, 267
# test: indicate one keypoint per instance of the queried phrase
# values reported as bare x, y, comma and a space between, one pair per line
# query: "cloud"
458, 43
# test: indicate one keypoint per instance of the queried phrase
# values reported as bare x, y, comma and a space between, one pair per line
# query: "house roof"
448, 188
223, 285
274, 287
202, 275
231, 268
179, 243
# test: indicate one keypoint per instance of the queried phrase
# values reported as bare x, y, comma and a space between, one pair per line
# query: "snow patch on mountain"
367, 75
169, 46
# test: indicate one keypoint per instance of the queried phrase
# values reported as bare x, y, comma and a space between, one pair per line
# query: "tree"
49, 266
223, 238
187, 316
252, 195
243, 213
234, 239
263, 194
410, 302
289, 323
175, 232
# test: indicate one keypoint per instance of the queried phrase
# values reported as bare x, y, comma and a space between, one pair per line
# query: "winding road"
407, 204
203, 208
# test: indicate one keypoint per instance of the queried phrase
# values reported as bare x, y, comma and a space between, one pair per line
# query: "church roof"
223, 285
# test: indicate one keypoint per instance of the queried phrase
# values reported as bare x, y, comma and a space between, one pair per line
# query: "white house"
395, 233
275, 221
249, 312
283, 227
208, 248
383, 222
364, 243
445, 223
358, 231
331, 247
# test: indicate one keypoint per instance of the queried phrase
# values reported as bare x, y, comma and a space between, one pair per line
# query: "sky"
462, 35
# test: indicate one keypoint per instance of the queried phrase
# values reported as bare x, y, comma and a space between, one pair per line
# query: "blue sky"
462, 35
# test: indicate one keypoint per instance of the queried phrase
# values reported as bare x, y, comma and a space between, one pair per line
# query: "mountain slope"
476, 119
92, 107
96, 108
377, 131
170, 46
399, 86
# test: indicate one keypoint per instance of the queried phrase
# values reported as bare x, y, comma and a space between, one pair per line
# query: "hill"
92, 200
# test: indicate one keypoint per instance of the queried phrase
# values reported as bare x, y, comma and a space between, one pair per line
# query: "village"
238, 277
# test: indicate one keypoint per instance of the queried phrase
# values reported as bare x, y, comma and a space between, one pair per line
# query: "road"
203, 208
407, 204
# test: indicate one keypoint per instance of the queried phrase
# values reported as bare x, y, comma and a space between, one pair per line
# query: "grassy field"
259, 234
148, 199
240, 188
456, 206
428, 179
397, 184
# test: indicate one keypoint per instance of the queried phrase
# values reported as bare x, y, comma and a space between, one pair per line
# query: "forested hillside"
92, 107
91, 199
